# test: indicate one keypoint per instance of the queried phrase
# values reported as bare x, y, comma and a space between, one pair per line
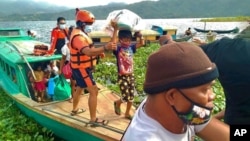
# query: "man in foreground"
180, 98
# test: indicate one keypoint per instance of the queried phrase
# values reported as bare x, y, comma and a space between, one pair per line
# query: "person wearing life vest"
82, 58
58, 36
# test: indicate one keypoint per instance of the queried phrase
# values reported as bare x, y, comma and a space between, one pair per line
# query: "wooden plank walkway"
60, 111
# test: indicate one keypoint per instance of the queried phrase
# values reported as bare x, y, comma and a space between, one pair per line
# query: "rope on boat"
86, 122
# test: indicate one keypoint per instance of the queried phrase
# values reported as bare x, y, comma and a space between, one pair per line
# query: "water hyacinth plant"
15, 126
106, 74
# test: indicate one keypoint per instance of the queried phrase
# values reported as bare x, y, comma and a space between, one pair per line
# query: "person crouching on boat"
39, 83
82, 59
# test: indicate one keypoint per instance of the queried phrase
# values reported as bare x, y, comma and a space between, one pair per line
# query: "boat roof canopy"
16, 45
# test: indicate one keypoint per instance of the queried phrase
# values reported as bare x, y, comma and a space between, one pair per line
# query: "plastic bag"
51, 85
125, 20
62, 89
66, 70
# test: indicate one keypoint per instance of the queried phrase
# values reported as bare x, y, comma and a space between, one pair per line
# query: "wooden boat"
16, 60
171, 31
150, 35
101, 37
235, 30
183, 38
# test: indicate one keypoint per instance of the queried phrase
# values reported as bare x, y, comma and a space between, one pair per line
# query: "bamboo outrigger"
15, 59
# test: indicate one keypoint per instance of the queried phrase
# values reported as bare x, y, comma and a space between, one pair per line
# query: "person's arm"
62, 63
63, 59
198, 42
215, 130
53, 41
220, 115
80, 43
114, 37
141, 40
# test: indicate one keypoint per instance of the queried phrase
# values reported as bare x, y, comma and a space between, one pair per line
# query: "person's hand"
59, 72
138, 34
102, 55
110, 46
114, 24
198, 41
50, 52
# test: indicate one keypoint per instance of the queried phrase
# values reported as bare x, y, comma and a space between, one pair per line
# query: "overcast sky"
86, 3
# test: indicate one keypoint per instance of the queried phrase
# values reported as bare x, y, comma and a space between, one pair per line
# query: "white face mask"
62, 26
88, 28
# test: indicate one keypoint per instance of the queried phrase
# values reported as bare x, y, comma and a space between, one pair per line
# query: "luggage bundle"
40, 50
126, 20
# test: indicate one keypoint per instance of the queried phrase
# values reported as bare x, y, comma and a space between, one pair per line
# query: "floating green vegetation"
228, 19
15, 126
106, 74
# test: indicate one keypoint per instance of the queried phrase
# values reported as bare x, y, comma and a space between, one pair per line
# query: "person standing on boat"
124, 56
82, 59
179, 102
51, 67
58, 36
39, 83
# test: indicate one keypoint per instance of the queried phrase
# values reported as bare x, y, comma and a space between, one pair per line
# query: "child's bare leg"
42, 96
129, 105
35, 94
118, 103
39, 96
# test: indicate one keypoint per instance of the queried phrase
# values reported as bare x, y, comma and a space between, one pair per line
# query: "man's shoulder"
55, 29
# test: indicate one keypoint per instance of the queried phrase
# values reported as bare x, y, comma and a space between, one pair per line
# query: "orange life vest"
77, 58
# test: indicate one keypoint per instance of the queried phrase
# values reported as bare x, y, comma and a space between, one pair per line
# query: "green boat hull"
11, 60
59, 129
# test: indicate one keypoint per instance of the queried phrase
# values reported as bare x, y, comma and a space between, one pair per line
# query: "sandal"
117, 109
129, 117
98, 122
78, 111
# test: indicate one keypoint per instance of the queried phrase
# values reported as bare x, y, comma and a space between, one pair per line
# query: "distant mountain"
161, 9
23, 7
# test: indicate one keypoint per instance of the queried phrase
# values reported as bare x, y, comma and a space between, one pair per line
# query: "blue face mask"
196, 115
88, 28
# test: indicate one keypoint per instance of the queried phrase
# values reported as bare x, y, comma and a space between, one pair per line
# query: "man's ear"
170, 96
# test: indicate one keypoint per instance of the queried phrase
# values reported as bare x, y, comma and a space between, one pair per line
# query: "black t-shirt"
232, 57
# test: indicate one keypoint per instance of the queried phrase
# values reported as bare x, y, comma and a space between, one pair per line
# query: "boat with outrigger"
17, 59
234, 30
